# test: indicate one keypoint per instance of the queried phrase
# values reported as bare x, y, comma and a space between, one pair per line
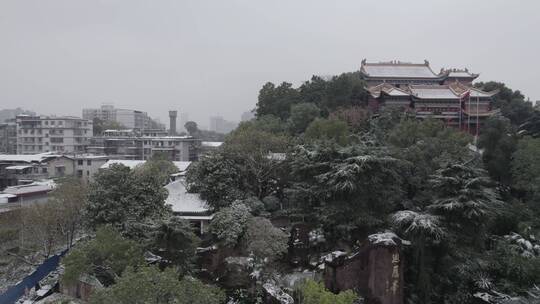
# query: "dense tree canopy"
150, 285
120, 195
105, 257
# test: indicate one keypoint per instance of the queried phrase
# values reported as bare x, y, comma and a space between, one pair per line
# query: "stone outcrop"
375, 271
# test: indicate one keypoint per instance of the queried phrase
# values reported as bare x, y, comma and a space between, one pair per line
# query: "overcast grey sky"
212, 57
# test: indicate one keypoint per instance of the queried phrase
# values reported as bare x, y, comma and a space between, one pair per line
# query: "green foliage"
150, 285
356, 117
328, 129
498, 143
465, 197
101, 125
264, 240
302, 115
525, 168
428, 143
512, 103
229, 224
345, 189
175, 241
276, 100
243, 167
119, 195
158, 167
251, 138
105, 257
191, 127
344, 90
311, 292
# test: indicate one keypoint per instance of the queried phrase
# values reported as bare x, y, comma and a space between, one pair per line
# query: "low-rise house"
23, 169
17, 196
87, 165
188, 206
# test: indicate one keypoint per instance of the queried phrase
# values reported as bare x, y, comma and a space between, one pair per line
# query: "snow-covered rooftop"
434, 92
211, 144
28, 189
384, 238
398, 69
183, 202
27, 158
181, 165
19, 167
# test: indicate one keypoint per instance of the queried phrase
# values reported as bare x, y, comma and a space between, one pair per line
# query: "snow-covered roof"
181, 165
126, 162
27, 189
211, 144
20, 167
397, 70
433, 92
27, 158
183, 202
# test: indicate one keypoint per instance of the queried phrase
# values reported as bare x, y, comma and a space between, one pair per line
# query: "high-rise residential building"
220, 125
7, 114
172, 122
131, 145
38, 134
8, 137
131, 119
184, 117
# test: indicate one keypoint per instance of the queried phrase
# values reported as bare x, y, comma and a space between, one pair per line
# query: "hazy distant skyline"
210, 58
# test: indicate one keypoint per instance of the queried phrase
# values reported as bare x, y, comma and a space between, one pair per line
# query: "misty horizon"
211, 59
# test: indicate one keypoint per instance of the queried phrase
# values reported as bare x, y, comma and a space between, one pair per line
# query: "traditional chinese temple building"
417, 89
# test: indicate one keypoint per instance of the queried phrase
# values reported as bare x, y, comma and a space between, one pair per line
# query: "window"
79, 173
60, 171
80, 162
89, 162
87, 173
57, 139
44, 170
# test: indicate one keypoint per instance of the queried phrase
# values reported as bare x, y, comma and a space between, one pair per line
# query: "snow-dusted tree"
69, 199
422, 229
229, 224
148, 284
174, 240
119, 195
264, 240
466, 198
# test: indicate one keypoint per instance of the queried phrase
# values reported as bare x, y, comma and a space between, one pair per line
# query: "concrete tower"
172, 123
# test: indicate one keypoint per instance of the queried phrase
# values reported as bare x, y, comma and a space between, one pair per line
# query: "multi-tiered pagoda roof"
417, 88
399, 72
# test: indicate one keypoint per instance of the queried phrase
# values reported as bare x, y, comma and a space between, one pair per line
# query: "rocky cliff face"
375, 271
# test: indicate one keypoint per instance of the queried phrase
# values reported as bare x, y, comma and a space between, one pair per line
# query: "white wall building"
38, 134
131, 119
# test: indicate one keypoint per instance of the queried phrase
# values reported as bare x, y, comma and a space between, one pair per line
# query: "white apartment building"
131, 119
177, 148
38, 134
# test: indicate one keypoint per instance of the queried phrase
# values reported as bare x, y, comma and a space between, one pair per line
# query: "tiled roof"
433, 92
397, 69
27, 158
